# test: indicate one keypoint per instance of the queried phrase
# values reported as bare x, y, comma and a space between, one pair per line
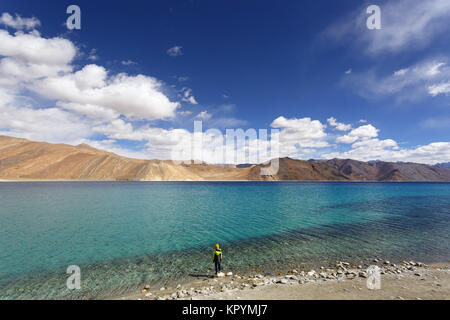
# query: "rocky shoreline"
234, 286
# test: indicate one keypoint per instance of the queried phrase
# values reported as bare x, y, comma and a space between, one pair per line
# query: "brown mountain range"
21, 159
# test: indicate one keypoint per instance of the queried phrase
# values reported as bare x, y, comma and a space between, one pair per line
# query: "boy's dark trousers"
218, 265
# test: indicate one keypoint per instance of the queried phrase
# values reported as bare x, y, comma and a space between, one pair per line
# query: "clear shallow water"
125, 234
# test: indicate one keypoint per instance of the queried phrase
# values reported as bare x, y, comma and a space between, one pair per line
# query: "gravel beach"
408, 280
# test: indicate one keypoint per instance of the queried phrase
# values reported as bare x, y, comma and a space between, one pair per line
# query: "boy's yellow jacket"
217, 253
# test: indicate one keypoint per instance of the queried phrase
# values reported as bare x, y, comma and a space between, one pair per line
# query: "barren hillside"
21, 159
24, 159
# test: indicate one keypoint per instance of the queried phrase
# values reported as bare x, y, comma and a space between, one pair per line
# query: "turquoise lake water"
126, 234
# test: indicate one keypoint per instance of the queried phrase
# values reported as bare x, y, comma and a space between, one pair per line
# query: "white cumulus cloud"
298, 134
136, 97
175, 51
204, 115
362, 132
338, 125
441, 88
18, 22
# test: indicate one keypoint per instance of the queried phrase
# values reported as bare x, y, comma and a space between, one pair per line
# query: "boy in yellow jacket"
217, 258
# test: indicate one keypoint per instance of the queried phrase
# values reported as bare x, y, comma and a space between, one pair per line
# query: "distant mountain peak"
443, 165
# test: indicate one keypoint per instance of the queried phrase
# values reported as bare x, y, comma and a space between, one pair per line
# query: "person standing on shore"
217, 258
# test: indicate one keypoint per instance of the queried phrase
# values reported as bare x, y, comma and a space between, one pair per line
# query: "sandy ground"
398, 282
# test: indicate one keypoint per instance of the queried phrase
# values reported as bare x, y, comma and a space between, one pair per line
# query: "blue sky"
312, 69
